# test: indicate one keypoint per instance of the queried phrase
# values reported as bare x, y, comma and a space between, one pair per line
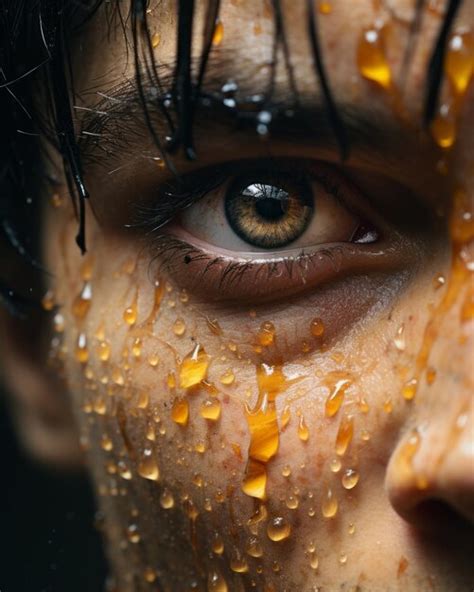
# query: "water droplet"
399, 340
329, 505
285, 417
180, 411
344, 434
106, 443
132, 533
216, 582
148, 467
350, 478
303, 431
351, 529
459, 61
292, 502
166, 499
227, 378
155, 40
149, 575
313, 560
324, 7
218, 34
409, 389
137, 347
47, 302
254, 548
82, 352
124, 471
266, 334
217, 545
255, 481
239, 565
131, 312
179, 327
58, 323
153, 360
193, 368
286, 471
388, 405
371, 58
103, 351
211, 409
317, 327
336, 396
443, 126
342, 558
278, 529
117, 377
335, 465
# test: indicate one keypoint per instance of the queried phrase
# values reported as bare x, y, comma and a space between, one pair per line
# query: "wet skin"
188, 382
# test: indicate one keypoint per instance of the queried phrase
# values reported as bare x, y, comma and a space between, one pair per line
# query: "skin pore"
290, 418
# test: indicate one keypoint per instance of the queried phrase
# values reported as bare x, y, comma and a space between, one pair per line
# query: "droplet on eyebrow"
371, 57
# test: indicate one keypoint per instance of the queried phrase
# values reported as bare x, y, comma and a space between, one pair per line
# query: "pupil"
270, 209
270, 201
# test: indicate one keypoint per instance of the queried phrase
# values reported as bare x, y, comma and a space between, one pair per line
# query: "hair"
37, 38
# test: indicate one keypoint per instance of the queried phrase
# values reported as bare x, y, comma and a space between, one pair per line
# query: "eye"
269, 211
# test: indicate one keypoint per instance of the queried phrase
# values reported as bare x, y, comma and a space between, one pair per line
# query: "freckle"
344, 434
131, 312
350, 478
106, 443
82, 302
257, 28
399, 339
180, 411
324, 7
132, 533
329, 505
47, 302
179, 327
103, 351
303, 431
210, 409
82, 352
166, 500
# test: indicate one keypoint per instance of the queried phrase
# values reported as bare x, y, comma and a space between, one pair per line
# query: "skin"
407, 523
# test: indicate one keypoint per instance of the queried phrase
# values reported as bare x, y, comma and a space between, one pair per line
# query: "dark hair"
37, 94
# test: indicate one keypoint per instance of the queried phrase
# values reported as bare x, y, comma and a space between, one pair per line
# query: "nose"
432, 468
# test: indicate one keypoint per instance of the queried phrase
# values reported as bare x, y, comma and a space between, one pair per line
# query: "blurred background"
49, 542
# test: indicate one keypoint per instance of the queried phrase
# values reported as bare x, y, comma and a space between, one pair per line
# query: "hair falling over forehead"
51, 27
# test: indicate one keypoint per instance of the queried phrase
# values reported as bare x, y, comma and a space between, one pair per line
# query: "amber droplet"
278, 529
47, 302
131, 312
153, 360
149, 575
211, 409
82, 353
285, 417
137, 347
266, 334
329, 505
459, 61
409, 389
303, 431
430, 375
292, 502
166, 499
239, 565
217, 545
371, 58
255, 480
317, 327
443, 126
344, 434
254, 548
193, 368
324, 7
106, 443
216, 582
132, 533
286, 471
350, 478
218, 34
103, 351
179, 327
227, 378
118, 377
148, 467
155, 40
388, 405
336, 396
335, 465
180, 411
399, 339
82, 302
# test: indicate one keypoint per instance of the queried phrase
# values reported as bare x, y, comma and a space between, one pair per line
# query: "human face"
274, 388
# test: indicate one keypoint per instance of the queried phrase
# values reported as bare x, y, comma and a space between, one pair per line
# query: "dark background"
48, 542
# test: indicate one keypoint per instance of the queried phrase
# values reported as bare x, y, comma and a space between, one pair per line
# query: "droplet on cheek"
278, 529
329, 505
193, 368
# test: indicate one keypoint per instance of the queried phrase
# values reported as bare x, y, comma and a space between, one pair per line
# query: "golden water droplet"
255, 481
179, 327
198, 481
409, 389
329, 505
399, 339
82, 352
292, 502
324, 7
137, 347
278, 529
303, 431
459, 60
388, 405
149, 575
131, 312
335, 465
117, 377
342, 558
193, 368
148, 467
266, 334
239, 565
218, 34
166, 499
153, 360
155, 40
106, 443
132, 533
350, 478
47, 302
200, 447
285, 417
336, 396
211, 409
352, 528
217, 545
313, 561
228, 377
317, 327
286, 471
344, 434
216, 582
58, 323
143, 400
363, 405
254, 548
124, 471
103, 351
180, 411
443, 126
371, 58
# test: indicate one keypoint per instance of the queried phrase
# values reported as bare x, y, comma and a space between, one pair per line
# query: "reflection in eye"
270, 211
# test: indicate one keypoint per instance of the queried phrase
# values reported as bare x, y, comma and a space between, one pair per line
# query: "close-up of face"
254, 228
